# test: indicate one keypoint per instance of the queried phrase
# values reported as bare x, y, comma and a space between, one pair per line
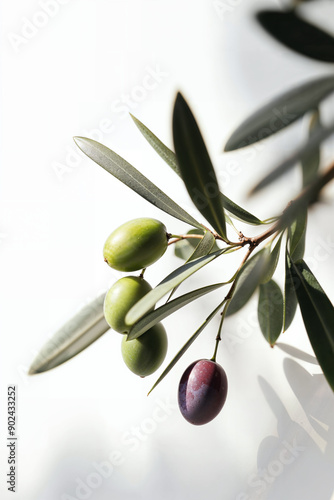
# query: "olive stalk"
180, 237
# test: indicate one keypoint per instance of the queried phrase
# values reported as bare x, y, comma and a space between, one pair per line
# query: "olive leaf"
238, 212
297, 34
272, 261
170, 158
318, 316
270, 311
186, 346
131, 177
296, 236
184, 249
171, 281
73, 337
280, 112
248, 279
165, 310
195, 166
205, 246
163, 151
308, 148
310, 164
290, 299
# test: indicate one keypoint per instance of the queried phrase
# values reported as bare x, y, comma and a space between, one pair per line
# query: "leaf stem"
180, 237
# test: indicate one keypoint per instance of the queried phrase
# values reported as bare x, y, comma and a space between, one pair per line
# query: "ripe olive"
120, 298
135, 244
202, 391
145, 354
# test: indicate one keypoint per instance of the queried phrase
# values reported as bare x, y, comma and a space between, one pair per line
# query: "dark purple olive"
202, 391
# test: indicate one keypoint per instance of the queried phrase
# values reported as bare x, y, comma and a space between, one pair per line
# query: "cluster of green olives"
133, 246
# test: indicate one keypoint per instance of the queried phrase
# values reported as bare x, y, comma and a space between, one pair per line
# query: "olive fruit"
145, 354
120, 298
202, 391
135, 244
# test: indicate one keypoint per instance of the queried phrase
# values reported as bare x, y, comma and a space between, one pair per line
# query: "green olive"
144, 355
135, 244
120, 298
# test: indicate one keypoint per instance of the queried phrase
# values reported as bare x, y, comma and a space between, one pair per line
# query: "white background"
69, 77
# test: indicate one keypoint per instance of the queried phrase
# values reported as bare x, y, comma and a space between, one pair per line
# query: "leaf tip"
79, 140
227, 148
36, 368
180, 100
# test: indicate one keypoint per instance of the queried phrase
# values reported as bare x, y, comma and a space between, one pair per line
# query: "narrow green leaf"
73, 337
126, 173
272, 262
238, 212
318, 316
297, 234
290, 299
248, 279
195, 165
170, 282
165, 310
204, 247
310, 164
231, 223
163, 151
270, 311
170, 158
186, 346
299, 35
280, 112
184, 249
303, 152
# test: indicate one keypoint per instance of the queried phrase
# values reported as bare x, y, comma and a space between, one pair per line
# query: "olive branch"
198, 247
254, 271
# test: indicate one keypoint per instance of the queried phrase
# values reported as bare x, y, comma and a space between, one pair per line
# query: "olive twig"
183, 237
218, 338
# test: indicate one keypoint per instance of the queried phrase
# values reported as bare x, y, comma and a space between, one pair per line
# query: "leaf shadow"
297, 353
300, 458
316, 399
297, 34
